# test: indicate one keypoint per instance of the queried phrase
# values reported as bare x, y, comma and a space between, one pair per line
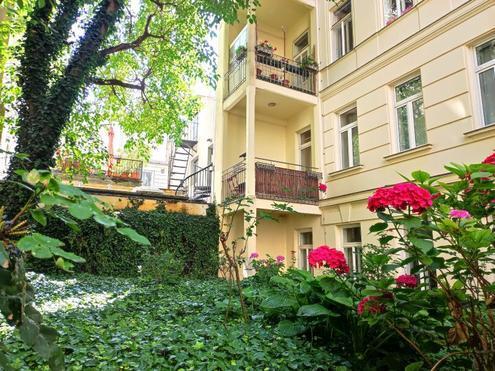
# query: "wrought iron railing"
124, 169
235, 77
285, 72
282, 181
197, 186
234, 182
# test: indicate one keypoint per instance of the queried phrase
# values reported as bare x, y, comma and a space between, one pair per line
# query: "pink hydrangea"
322, 187
280, 259
370, 304
406, 280
327, 257
400, 197
460, 214
254, 255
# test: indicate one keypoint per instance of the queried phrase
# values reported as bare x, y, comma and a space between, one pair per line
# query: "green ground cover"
130, 324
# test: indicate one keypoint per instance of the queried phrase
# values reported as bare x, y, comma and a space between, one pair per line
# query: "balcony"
285, 72
125, 169
275, 180
236, 76
190, 133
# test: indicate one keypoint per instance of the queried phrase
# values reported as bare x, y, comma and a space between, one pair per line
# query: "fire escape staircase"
179, 162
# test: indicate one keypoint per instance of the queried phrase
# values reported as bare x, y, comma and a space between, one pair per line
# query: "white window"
305, 246
301, 47
393, 9
342, 36
485, 70
305, 149
237, 45
410, 114
349, 139
147, 180
353, 247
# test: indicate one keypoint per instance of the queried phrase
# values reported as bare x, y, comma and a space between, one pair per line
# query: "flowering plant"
266, 45
322, 187
406, 280
401, 197
326, 257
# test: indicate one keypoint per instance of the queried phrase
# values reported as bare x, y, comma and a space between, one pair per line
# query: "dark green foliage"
192, 239
127, 324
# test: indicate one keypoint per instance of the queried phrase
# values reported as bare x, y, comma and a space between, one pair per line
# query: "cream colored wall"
270, 141
294, 31
234, 139
273, 35
302, 120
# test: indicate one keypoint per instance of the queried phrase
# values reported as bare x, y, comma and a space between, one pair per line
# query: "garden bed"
130, 324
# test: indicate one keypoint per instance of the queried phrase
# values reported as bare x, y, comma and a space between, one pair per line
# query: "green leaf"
4, 256
33, 177
133, 235
424, 245
105, 220
80, 211
67, 255
39, 245
341, 298
416, 366
278, 301
378, 227
315, 310
420, 176
288, 328
39, 216
480, 174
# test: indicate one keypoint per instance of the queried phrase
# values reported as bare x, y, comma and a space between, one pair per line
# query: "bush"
162, 267
191, 239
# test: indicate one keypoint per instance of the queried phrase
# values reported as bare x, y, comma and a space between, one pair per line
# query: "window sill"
480, 131
419, 149
345, 171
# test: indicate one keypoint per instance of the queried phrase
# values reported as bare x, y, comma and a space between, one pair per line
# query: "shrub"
191, 239
162, 267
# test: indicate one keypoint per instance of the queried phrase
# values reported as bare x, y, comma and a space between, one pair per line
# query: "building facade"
349, 93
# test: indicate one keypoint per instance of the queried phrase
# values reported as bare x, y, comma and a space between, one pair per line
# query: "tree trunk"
45, 106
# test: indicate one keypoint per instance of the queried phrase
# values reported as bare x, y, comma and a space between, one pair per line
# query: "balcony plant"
265, 48
274, 77
309, 63
285, 83
240, 52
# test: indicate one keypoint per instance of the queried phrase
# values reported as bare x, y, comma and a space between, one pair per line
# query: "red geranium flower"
327, 257
400, 197
490, 159
407, 280
370, 304
322, 187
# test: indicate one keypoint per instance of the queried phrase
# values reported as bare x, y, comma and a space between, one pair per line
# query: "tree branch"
133, 44
116, 82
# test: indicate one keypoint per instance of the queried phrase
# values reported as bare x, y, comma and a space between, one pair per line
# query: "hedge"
192, 239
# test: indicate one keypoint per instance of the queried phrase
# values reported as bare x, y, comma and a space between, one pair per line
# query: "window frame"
386, 21
356, 267
341, 22
307, 247
478, 69
304, 50
350, 147
152, 178
301, 146
408, 103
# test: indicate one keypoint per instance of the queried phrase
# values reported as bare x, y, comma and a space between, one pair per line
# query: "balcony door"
304, 248
304, 149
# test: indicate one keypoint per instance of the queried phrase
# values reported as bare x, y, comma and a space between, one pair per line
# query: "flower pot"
285, 83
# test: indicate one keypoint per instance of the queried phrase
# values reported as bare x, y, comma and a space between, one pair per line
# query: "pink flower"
325, 256
322, 187
490, 159
370, 304
280, 259
460, 214
400, 197
254, 255
406, 280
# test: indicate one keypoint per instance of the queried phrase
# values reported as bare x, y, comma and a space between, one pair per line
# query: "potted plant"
265, 48
285, 83
309, 63
259, 71
240, 52
274, 77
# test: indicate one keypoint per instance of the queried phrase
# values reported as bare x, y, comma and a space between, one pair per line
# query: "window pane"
352, 234
348, 258
301, 43
306, 238
344, 143
486, 52
337, 43
349, 117
306, 157
305, 137
408, 89
403, 129
348, 38
341, 12
355, 146
487, 85
358, 258
419, 122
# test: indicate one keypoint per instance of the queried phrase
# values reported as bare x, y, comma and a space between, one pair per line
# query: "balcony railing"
285, 72
234, 182
190, 133
282, 181
275, 180
124, 169
235, 77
